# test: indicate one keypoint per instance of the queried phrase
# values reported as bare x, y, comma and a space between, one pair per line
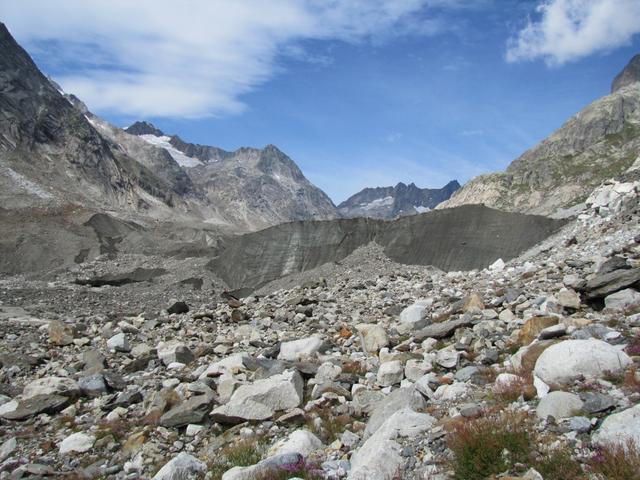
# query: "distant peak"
144, 128
629, 74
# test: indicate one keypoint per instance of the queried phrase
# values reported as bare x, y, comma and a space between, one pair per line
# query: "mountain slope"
601, 141
253, 187
55, 153
392, 202
51, 154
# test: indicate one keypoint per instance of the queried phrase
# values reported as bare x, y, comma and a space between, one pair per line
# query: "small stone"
178, 308
532, 328
447, 358
174, 352
390, 373
568, 298
60, 334
413, 317
119, 343
559, 405
373, 337
92, 385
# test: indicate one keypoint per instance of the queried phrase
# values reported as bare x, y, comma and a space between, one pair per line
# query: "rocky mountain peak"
144, 128
392, 202
629, 74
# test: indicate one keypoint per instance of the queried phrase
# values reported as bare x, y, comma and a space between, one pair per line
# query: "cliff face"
454, 239
600, 142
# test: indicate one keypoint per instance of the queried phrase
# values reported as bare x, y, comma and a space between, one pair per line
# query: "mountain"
398, 201
598, 143
255, 187
55, 153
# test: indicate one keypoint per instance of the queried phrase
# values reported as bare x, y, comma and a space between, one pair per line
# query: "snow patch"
379, 202
164, 142
421, 209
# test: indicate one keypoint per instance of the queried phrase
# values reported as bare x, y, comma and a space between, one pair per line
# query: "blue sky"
359, 93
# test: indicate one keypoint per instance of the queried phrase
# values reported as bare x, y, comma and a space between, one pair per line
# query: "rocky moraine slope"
143, 338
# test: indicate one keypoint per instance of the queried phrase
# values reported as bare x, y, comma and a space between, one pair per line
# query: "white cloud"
567, 30
196, 57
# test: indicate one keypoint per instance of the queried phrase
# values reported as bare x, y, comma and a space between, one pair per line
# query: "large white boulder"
181, 467
565, 361
299, 441
620, 428
300, 349
77, 443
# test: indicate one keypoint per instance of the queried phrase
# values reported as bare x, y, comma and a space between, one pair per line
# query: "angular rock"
396, 400
92, 385
77, 443
568, 298
119, 343
595, 402
443, 329
380, 457
565, 361
263, 398
178, 308
193, 410
174, 351
447, 358
373, 337
35, 405
602, 285
532, 328
272, 467
51, 386
390, 373
7, 448
414, 316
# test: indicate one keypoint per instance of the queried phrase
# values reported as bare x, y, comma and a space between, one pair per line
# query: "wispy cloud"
198, 57
566, 30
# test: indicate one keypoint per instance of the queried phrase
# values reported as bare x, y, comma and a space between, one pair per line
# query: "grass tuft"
616, 461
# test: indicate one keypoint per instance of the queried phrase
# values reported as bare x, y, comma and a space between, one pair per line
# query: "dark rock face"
143, 128
392, 202
462, 238
630, 74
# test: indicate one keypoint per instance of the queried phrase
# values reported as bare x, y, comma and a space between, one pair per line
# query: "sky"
360, 93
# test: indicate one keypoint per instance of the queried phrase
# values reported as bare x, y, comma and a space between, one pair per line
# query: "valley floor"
360, 369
